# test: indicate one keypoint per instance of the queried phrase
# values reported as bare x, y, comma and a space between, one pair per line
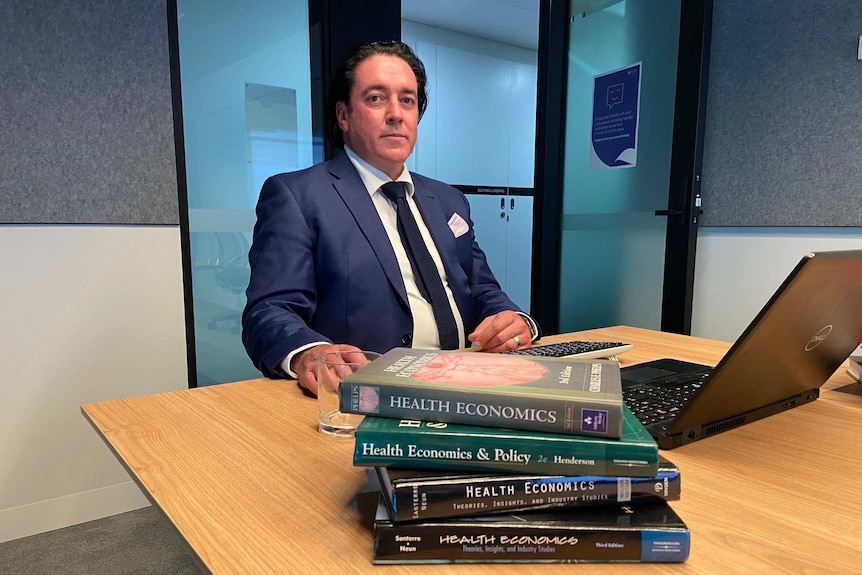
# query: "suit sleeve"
281, 295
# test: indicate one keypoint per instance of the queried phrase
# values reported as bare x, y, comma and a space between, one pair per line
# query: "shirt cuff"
285, 363
535, 332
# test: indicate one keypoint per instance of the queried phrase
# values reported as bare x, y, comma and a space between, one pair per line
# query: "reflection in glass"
246, 89
271, 137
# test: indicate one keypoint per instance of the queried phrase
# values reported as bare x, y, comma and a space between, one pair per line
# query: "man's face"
380, 121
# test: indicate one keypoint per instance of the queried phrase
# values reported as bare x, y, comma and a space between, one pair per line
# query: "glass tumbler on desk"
331, 369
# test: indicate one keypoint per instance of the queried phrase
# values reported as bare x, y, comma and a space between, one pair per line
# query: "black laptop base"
645, 379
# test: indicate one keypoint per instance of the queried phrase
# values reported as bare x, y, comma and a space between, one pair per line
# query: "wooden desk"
242, 473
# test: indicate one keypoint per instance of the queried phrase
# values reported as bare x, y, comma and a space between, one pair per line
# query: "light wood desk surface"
244, 476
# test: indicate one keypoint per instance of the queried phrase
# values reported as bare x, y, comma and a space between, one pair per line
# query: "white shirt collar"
374, 178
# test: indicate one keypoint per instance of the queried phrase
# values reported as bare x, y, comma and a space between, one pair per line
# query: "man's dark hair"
345, 75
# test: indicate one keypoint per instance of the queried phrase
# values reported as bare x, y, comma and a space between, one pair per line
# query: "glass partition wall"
246, 112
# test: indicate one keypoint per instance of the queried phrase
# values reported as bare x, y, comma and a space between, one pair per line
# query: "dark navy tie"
427, 277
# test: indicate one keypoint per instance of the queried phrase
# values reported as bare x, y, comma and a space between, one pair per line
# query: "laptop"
800, 338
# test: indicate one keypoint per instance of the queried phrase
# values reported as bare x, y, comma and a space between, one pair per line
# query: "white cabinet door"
489, 224
519, 249
504, 229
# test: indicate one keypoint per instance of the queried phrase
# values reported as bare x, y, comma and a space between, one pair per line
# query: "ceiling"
513, 22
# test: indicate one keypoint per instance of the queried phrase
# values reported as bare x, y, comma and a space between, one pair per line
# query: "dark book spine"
584, 416
414, 500
431, 543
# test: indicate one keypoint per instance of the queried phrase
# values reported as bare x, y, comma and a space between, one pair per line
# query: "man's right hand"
304, 364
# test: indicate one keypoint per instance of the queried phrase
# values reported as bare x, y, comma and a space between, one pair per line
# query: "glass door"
246, 101
620, 114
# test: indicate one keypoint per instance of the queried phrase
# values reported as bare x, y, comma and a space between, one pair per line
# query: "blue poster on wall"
616, 102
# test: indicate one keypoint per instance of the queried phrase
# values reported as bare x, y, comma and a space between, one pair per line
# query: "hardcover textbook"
650, 533
579, 397
415, 494
388, 442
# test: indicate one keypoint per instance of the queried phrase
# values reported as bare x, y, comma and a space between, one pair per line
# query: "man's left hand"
505, 331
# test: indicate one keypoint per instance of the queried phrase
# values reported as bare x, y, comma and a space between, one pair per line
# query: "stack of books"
503, 458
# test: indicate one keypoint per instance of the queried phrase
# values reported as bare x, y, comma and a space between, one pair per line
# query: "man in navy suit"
328, 269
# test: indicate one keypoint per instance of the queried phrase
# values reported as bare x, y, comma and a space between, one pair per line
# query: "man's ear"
341, 115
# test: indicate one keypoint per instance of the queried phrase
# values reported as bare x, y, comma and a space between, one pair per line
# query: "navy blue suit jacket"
323, 269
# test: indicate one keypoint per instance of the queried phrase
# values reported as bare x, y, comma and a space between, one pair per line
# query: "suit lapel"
435, 220
352, 190
438, 226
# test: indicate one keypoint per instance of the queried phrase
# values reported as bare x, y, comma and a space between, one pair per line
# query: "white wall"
89, 313
738, 269
480, 125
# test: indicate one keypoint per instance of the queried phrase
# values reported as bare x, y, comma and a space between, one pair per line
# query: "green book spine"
422, 444
578, 397
419, 494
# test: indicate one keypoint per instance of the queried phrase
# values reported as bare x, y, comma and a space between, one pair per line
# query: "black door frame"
182, 190
554, 24
686, 165
335, 26
683, 210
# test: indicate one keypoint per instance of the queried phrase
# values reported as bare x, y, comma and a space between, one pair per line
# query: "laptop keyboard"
575, 349
659, 400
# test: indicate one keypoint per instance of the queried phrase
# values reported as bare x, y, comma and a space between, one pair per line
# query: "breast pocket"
464, 249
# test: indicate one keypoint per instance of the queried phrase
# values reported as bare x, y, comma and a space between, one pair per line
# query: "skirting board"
43, 516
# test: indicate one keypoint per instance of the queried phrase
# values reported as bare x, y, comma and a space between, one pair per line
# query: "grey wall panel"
86, 124
783, 141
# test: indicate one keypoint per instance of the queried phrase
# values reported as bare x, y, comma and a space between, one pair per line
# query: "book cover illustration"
580, 397
415, 494
388, 442
648, 533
